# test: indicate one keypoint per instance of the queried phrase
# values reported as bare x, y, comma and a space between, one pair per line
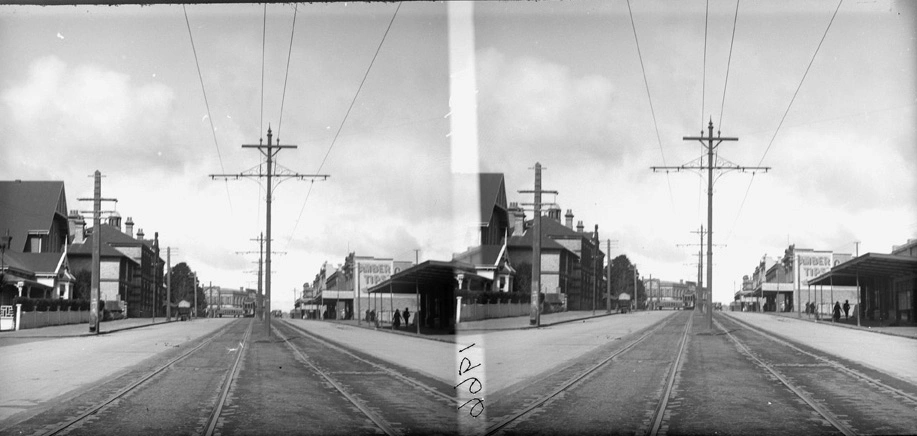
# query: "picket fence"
476, 312
31, 320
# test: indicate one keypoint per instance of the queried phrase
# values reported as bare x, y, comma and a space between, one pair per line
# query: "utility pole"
721, 164
636, 303
535, 313
700, 261
169, 284
608, 279
595, 267
270, 151
95, 291
258, 298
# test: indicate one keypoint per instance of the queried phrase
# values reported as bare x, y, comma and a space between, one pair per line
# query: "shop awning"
869, 265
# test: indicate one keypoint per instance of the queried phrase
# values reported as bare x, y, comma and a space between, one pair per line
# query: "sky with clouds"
561, 83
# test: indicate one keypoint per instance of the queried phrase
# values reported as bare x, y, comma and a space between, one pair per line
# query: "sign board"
371, 272
811, 265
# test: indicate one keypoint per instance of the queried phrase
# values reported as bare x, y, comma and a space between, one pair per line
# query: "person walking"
396, 319
837, 311
846, 309
407, 317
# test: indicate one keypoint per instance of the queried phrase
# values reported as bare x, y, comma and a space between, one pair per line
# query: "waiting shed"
887, 284
434, 284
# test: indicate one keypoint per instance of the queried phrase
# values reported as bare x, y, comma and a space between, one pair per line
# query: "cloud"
89, 110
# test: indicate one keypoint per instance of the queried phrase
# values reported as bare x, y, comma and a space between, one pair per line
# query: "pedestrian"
807, 307
837, 311
846, 309
407, 316
396, 319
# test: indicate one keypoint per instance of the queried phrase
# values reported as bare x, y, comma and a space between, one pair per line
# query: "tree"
82, 286
622, 278
184, 287
522, 281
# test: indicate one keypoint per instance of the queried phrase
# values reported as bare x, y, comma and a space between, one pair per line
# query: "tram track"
845, 397
373, 387
658, 414
74, 423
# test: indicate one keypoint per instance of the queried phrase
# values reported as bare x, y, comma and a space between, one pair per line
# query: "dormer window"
35, 241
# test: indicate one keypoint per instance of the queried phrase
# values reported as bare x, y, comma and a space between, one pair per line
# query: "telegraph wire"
735, 20
703, 94
287, 74
263, 38
801, 81
343, 121
650, 98
206, 103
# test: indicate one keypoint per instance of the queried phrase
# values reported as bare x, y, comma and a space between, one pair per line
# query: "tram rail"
660, 409
811, 376
143, 380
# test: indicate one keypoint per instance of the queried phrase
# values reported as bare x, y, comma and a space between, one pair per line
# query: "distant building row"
877, 286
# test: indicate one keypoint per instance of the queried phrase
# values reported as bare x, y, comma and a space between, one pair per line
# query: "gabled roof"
493, 193
480, 255
39, 263
109, 235
29, 205
525, 241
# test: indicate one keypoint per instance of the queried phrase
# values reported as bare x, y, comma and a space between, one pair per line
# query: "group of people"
836, 313
396, 318
370, 316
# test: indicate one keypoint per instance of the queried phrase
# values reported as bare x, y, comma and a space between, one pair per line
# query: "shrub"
42, 304
28, 304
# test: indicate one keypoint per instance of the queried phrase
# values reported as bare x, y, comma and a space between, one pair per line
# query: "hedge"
50, 304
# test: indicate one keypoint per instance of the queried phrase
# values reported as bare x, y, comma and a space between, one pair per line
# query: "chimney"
129, 227
579, 227
115, 220
517, 216
140, 234
554, 213
77, 227
569, 219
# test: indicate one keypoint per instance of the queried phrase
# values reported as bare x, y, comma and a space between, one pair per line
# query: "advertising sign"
811, 265
371, 272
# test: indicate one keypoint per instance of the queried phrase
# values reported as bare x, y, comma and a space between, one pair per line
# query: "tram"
688, 300
248, 308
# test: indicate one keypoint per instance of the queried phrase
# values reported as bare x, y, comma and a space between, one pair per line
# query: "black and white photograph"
566, 217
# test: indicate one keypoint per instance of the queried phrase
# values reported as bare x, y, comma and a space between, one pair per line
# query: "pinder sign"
372, 272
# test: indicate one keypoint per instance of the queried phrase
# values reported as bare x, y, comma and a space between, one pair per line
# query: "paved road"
293, 383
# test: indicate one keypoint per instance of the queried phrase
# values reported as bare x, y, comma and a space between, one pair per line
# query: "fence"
31, 320
476, 312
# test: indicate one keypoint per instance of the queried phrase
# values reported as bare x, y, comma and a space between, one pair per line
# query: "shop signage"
371, 273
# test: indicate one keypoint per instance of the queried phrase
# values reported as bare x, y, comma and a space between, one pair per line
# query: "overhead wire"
287, 74
787, 111
344, 120
263, 41
735, 21
206, 103
650, 98
703, 94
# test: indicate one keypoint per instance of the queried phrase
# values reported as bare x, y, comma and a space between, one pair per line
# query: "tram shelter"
433, 284
887, 285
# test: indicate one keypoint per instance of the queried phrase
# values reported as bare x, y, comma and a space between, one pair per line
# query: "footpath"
907, 332
45, 366
892, 350
82, 329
